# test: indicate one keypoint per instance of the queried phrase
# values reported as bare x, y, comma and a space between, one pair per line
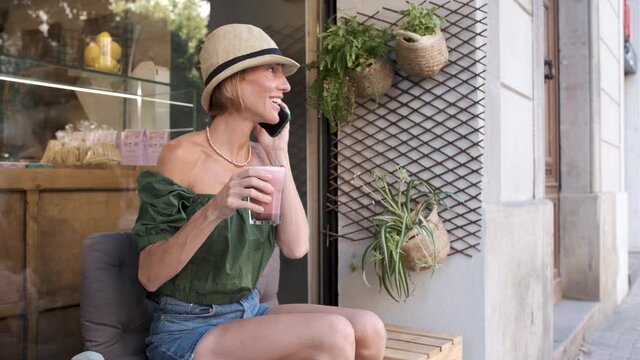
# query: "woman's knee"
368, 324
370, 335
337, 336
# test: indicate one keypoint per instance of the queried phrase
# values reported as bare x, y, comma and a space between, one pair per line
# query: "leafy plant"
420, 20
404, 204
347, 46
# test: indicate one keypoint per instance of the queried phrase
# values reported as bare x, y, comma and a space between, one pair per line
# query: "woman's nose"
284, 84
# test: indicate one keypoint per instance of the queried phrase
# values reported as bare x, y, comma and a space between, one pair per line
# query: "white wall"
611, 75
450, 301
611, 159
516, 101
632, 134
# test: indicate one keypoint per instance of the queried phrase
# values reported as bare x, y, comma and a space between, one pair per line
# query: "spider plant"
404, 203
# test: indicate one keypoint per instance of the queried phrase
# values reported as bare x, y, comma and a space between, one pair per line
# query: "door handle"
549, 70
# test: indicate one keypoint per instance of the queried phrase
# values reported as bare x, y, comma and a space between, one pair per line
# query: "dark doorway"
284, 21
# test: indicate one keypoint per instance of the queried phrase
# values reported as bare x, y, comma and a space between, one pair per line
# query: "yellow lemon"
116, 50
103, 38
91, 54
106, 64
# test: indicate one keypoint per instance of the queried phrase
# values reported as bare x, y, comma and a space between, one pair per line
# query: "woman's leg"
281, 336
370, 335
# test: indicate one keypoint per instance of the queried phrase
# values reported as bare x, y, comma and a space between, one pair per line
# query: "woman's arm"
293, 230
162, 260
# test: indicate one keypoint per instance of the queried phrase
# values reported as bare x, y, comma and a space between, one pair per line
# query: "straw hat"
235, 47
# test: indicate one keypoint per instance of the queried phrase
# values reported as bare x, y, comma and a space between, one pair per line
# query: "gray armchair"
114, 311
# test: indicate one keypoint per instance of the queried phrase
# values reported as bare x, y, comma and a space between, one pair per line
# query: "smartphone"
274, 129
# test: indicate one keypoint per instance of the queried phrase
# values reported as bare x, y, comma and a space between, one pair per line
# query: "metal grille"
432, 127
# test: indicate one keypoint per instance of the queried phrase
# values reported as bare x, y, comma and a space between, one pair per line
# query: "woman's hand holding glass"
248, 183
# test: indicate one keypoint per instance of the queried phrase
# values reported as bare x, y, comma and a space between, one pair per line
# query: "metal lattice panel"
432, 127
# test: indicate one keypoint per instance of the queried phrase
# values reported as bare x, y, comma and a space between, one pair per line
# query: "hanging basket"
421, 55
374, 81
423, 251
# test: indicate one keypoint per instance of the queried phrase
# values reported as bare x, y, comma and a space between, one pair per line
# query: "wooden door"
552, 142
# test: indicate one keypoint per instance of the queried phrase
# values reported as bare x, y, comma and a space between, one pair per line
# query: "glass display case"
54, 75
39, 99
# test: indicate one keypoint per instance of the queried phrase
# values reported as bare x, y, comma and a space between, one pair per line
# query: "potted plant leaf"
410, 235
353, 62
421, 49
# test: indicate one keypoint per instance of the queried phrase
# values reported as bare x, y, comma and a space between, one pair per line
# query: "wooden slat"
59, 301
32, 272
412, 347
116, 177
12, 247
452, 353
420, 339
412, 344
444, 336
12, 309
395, 354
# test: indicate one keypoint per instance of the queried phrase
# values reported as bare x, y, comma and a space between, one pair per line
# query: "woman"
198, 249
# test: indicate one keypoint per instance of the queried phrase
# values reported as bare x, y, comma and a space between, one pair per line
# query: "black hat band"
229, 63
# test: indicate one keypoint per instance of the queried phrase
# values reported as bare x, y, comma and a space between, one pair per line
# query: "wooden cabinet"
45, 214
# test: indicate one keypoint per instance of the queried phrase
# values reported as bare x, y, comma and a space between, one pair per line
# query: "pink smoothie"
271, 214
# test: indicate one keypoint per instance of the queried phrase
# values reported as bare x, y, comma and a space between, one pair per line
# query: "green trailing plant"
404, 203
347, 46
420, 20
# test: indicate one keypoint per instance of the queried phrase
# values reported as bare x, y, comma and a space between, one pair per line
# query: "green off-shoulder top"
227, 265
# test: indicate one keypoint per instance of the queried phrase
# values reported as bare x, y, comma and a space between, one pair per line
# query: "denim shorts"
178, 326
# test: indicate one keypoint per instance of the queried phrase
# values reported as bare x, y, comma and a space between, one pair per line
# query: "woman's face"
262, 89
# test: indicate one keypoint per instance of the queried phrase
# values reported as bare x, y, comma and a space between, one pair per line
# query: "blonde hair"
226, 95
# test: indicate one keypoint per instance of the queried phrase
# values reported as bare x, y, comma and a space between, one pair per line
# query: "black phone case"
274, 129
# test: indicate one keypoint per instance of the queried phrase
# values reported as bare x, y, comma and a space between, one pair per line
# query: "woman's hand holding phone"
274, 138
274, 130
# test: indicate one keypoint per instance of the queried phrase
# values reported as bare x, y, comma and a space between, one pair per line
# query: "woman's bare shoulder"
179, 157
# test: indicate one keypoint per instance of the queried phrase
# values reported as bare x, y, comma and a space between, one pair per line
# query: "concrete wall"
632, 133
518, 232
518, 278
593, 206
591, 268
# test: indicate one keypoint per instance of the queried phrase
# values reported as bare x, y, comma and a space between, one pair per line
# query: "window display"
108, 62
90, 91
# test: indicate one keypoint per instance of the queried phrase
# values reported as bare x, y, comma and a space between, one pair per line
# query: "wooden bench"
410, 344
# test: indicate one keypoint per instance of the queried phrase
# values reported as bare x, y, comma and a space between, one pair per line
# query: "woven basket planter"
421, 55
421, 251
375, 81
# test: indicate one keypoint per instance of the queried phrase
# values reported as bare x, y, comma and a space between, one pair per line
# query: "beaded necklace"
237, 164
